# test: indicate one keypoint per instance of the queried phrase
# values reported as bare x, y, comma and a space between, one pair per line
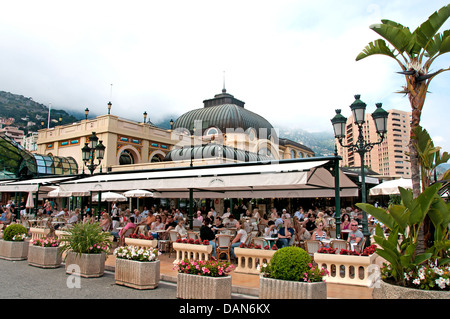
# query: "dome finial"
224, 90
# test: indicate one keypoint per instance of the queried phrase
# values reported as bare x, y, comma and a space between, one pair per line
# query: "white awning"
32, 185
250, 180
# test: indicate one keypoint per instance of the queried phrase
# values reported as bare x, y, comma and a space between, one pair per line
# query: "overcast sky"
292, 62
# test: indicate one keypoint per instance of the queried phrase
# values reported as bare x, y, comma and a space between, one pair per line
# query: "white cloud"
293, 62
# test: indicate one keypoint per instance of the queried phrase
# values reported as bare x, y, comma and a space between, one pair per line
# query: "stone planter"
191, 252
137, 274
284, 289
249, 258
383, 290
349, 270
14, 250
141, 242
85, 265
44, 257
203, 287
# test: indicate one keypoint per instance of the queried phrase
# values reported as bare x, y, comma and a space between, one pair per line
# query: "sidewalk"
248, 284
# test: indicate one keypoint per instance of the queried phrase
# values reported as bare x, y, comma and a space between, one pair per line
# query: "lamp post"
86, 112
145, 117
361, 146
109, 107
91, 151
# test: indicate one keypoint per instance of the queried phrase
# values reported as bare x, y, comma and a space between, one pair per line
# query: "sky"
292, 62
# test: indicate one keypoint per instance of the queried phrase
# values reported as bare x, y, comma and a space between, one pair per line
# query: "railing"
249, 258
141, 243
191, 251
347, 269
37, 233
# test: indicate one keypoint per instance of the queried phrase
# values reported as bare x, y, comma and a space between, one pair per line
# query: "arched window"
126, 158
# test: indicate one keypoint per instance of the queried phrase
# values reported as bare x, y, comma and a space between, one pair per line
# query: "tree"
414, 52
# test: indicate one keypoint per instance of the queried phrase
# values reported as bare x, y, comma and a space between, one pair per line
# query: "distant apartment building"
13, 132
389, 158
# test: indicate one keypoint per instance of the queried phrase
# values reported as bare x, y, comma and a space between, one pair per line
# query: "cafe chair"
124, 235
223, 245
173, 236
339, 244
312, 246
193, 235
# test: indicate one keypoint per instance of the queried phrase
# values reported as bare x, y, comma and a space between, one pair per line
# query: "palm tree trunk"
417, 100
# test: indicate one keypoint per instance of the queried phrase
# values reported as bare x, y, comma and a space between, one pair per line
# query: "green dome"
224, 112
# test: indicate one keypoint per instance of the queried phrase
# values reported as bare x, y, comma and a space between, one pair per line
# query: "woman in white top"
157, 225
241, 237
180, 229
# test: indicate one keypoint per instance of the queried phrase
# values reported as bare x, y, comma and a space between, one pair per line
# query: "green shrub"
86, 238
13, 230
289, 263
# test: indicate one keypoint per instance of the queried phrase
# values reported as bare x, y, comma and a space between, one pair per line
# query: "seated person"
206, 233
130, 224
218, 225
157, 225
310, 223
270, 230
180, 229
285, 234
319, 233
355, 236
231, 222
241, 237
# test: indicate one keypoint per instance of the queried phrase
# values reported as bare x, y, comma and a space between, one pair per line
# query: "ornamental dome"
224, 112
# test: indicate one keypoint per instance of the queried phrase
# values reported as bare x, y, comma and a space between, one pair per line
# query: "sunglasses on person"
355, 225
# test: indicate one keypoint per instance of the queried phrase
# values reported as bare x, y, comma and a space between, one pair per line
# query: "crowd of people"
285, 228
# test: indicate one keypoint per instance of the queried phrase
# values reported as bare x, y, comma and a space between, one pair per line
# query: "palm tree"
414, 52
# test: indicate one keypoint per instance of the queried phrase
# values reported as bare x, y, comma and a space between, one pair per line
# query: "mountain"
28, 114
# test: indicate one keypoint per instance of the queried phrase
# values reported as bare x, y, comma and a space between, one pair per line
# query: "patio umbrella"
109, 197
137, 193
391, 187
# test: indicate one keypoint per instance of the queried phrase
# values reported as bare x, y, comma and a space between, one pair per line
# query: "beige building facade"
388, 158
132, 145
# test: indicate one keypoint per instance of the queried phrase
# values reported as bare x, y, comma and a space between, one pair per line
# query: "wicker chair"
193, 235
223, 245
260, 241
173, 236
339, 244
312, 246
124, 235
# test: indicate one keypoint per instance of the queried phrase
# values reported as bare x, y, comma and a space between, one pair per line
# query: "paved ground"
18, 280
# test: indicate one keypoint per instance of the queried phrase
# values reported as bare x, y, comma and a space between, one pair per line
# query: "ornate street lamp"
361, 146
109, 107
145, 117
86, 112
91, 151
171, 124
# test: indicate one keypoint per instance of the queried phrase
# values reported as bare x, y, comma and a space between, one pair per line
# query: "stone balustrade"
37, 233
347, 269
191, 252
141, 243
249, 258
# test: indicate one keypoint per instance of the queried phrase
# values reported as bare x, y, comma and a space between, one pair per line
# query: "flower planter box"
85, 265
284, 289
249, 258
44, 257
137, 274
191, 251
203, 287
141, 242
14, 250
384, 290
348, 269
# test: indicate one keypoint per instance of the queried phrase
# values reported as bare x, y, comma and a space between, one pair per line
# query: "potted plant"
203, 279
44, 253
406, 264
85, 245
13, 245
290, 275
137, 267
